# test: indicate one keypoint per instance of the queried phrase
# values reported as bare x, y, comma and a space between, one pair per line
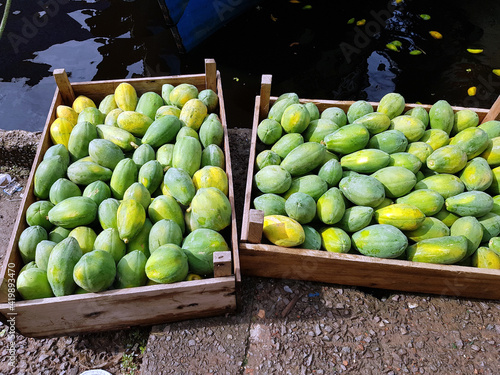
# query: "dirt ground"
284, 326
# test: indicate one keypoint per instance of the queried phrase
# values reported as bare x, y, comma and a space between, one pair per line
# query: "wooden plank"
265, 94
251, 166
222, 263
255, 224
359, 270
210, 75
494, 111
62, 81
266, 260
118, 309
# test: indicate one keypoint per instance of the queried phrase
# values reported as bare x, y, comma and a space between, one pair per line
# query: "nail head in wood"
222, 263
255, 226
65, 89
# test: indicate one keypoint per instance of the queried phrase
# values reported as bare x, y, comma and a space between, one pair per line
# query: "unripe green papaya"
148, 104
138, 192
447, 185
151, 175
124, 175
179, 185
166, 207
318, 129
214, 156
335, 240
130, 270
421, 150
380, 241
210, 208
163, 232
365, 161
199, 246
356, 218
375, 122
143, 154
335, 114
37, 212
420, 113
287, 143
92, 115
362, 190
492, 128
98, 191
436, 138
79, 139
166, 89
211, 131
48, 172
405, 160
269, 131
357, 110
441, 116
209, 98
62, 189
95, 271
58, 150
86, 172
428, 201
331, 172
312, 238
472, 141
130, 218
33, 284
470, 228
267, 157
168, 264
410, 126
441, 250
465, 118
270, 204
107, 213
73, 212
313, 110
187, 155
141, 240
392, 104
309, 184
491, 226
430, 228
279, 107
164, 155
470, 203
390, 141
301, 207
105, 153
58, 234
161, 131
85, 237
477, 175
107, 104
120, 137
62, 260
347, 139
304, 158
109, 240
397, 181
134, 122
273, 179
28, 240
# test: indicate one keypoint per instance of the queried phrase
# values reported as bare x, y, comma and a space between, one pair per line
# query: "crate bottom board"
124, 308
358, 270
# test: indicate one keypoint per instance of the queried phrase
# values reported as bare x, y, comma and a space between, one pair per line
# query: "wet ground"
308, 46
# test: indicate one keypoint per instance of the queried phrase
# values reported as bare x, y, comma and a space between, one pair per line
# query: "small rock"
317, 330
328, 329
210, 332
412, 305
42, 357
230, 337
287, 289
459, 344
475, 348
395, 298
191, 342
311, 333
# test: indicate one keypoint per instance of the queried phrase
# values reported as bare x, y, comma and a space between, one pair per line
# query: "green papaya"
472, 141
278, 108
141, 240
151, 175
270, 204
269, 131
58, 234
312, 238
447, 185
62, 189
73, 212
42, 253
120, 137
164, 155
492, 128
405, 160
355, 218
107, 104
86, 172
105, 153
420, 113
347, 139
441, 250
441, 116
304, 158
470, 203
301, 207
214, 156
392, 104
491, 226
98, 191
143, 154
335, 240
58, 150
267, 157
161, 131
130, 218
85, 237
375, 122
124, 175
471, 229
168, 264
179, 184
318, 129
48, 171
357, 110
33, 284
95, 271
148, 104
335, 114
397, 181
107, 213
421, 150
109, 240
428, 201
430, 228
365, 161
211, 131
92, 115
37, 212
465, 118
187, 155
130, 270
380, 241
389, 141
210, 99
477, 175
166, 207
362, 190
199, 246
81, 135
273, 179
436, 138
331, 172
62, 260
210, 208
330, 206
28, 240
311, 184
166, 89
163, 232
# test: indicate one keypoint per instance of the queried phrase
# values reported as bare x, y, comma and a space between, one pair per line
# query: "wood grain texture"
494, 112
222, 263
210, 75
255, 224
265, 93
128, 307
119, 309
265, 260
62, 81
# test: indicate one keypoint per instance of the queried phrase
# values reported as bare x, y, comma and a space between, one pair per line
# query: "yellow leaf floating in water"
351, 21
436, 34
425, 17
392, 47
474, 51
468, 70
415, 52
307, 7
397, 43
496, 72
399, 1
273, 18
361, 22
472, 91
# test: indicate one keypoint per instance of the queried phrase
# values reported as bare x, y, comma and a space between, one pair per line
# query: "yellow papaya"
134, 122
60, 130
68, 113
193, 113
401, 215
283, 231
82, 102
126, 97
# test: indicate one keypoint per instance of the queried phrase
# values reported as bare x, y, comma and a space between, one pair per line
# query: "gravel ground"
284, 326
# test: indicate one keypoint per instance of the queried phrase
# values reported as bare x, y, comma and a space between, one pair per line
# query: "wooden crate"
265, 260
117, 309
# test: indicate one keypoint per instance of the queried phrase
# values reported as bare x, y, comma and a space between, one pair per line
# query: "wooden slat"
118, 309
62, 81
494, 111
210, 75
255, 224
359, 270
265, 260
222, 263
265, 94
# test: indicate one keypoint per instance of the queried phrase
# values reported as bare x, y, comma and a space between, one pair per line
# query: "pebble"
191, 342
287, 289
475, 348
412, 305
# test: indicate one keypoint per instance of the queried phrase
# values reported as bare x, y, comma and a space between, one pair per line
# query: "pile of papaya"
418, 185
132, 192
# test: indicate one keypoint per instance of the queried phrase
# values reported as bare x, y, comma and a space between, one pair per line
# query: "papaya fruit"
163, 232
211, 177
392, 104
211, 131
124, 175
134, 122
273, 179
492, 152
81, 102
166, 89
187, 155
421, 150
311, 184
493, 244
470, 203
331, 172
161, 131
362, 190
107, 213
193, 113
58, 234
130, 218
492, 128
355, 218
494, 188
210, 208
304, 158
283, 231
130, 270
107, 104
318, 129
46, 174
166, 207
199, 246
347, 139
265, 158
441, 250
335, 114
62, 260
491, 226
214, 156
330, 206
164, 155
278, 108
33, 284
301, 207
463, 119
389, 141
477, 175
486, 258
73, 212
67, 113
410, 126
92, 115
313, 110
85, 237
375, 122
401, 215
380, 241
405, 160
270, 204
430, 228
112, 117
58, 150
428, 201
312, 238
86, 172
151, 175
138, 192
441, 116
81, 136
37, 212
295, 118
472, 141
98, 191
436, 138
143, 154
28, 240
269, 131
179, 185
365, 161
420, 113
447, 185
397, 181
148, 104
182, 93
357, 110
287, 143
335, 240
95, 271
168, 264
448, 218
120, 137
109, 240
105, 153
141, 240
126, 97
60, 131
166, 110
471, 229
210, 99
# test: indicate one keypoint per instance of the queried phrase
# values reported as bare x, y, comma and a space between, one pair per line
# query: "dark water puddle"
311, 51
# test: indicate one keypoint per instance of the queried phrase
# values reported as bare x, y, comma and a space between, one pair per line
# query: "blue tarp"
197, 19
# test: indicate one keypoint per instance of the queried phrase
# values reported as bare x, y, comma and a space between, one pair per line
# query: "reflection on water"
311, 50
